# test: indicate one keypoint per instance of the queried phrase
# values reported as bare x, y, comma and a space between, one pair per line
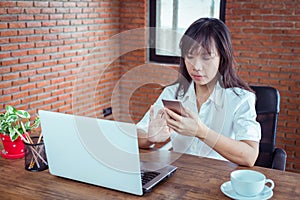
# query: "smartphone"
174, 105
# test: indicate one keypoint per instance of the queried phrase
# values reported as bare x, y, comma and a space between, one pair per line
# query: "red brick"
56, 42
50, 100
41, 4
57, 80
32, 10
26, 17
42, 17
36, 105
69, 4
3, 11
19, 95
25, 4
43, 83
5, 84
42, 57
34, 38
9, 47
10, 90
19, 53
49, 23
42, 44
5, 98
17, 39
57, 104
44, 95
51, 49
26, 59
3, 26
36, 78
35, 51
5, 4
69, 16
4, 55
35, 91
50, 63
57, 56
19, 82
10, 76
28, 73
64, 108
17, 25
55, 4
27, 100
16, 10
50, 37
28, 86
8, 18
25, 31
63, 23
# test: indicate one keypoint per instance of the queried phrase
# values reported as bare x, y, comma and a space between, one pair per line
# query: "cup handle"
271, 182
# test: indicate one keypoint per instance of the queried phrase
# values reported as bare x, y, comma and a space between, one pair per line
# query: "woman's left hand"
189, 125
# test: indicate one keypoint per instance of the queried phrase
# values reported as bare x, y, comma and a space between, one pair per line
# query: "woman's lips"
197, 77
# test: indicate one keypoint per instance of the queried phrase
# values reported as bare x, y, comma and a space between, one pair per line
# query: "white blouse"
225, 112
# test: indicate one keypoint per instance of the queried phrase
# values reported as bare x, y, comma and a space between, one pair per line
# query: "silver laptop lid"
95, 151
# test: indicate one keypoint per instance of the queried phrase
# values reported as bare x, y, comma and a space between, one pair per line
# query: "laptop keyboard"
148, 176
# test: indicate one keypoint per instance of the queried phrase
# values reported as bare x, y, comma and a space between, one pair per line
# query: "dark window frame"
153, 57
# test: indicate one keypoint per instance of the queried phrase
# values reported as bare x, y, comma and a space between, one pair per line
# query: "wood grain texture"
196, 178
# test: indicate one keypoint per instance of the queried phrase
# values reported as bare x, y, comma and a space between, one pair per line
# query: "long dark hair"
204, 33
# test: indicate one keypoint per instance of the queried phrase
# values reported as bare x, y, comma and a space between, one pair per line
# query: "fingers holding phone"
158, 131
175, 106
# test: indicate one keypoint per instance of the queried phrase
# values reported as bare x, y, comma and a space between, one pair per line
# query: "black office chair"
267, 109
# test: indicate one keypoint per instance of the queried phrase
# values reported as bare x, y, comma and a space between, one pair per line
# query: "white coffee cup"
249, 182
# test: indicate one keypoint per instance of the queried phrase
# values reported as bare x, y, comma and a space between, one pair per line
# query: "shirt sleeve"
167, 93
245, 125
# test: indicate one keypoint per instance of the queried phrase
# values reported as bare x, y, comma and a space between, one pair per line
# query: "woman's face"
203, 66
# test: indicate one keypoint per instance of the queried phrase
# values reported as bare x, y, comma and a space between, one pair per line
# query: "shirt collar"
217, 96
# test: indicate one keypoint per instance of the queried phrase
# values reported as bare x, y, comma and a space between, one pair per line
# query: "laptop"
99, 152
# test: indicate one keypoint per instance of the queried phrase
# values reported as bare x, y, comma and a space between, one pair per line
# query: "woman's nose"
197, 65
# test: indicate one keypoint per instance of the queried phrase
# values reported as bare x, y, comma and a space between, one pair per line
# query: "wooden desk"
196, 178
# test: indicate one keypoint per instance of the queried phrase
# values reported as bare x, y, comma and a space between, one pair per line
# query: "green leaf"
36, 123
13, 137
4, 126
12, 132
1, 116
12, 118
27, 125
10, 109
23, 114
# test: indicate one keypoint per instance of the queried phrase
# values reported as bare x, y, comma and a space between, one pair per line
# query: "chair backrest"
267, 109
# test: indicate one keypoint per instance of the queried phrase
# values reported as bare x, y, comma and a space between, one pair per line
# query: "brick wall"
266, 37
53, 49
71, 56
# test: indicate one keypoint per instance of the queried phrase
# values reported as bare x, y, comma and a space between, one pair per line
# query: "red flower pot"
11, 149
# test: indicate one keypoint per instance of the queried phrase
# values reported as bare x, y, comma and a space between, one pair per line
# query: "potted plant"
14, 123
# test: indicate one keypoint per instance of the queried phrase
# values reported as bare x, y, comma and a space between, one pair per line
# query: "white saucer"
226, 188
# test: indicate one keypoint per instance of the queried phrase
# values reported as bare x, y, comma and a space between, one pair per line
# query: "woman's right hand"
158, 131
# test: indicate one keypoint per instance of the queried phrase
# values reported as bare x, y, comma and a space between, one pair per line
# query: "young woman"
220, 118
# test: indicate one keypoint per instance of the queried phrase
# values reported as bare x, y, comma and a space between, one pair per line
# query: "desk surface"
196, 178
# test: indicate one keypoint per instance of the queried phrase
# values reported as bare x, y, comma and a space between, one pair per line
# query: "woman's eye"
189, 57
206, 57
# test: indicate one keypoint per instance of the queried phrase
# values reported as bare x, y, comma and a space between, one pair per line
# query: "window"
171, 18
